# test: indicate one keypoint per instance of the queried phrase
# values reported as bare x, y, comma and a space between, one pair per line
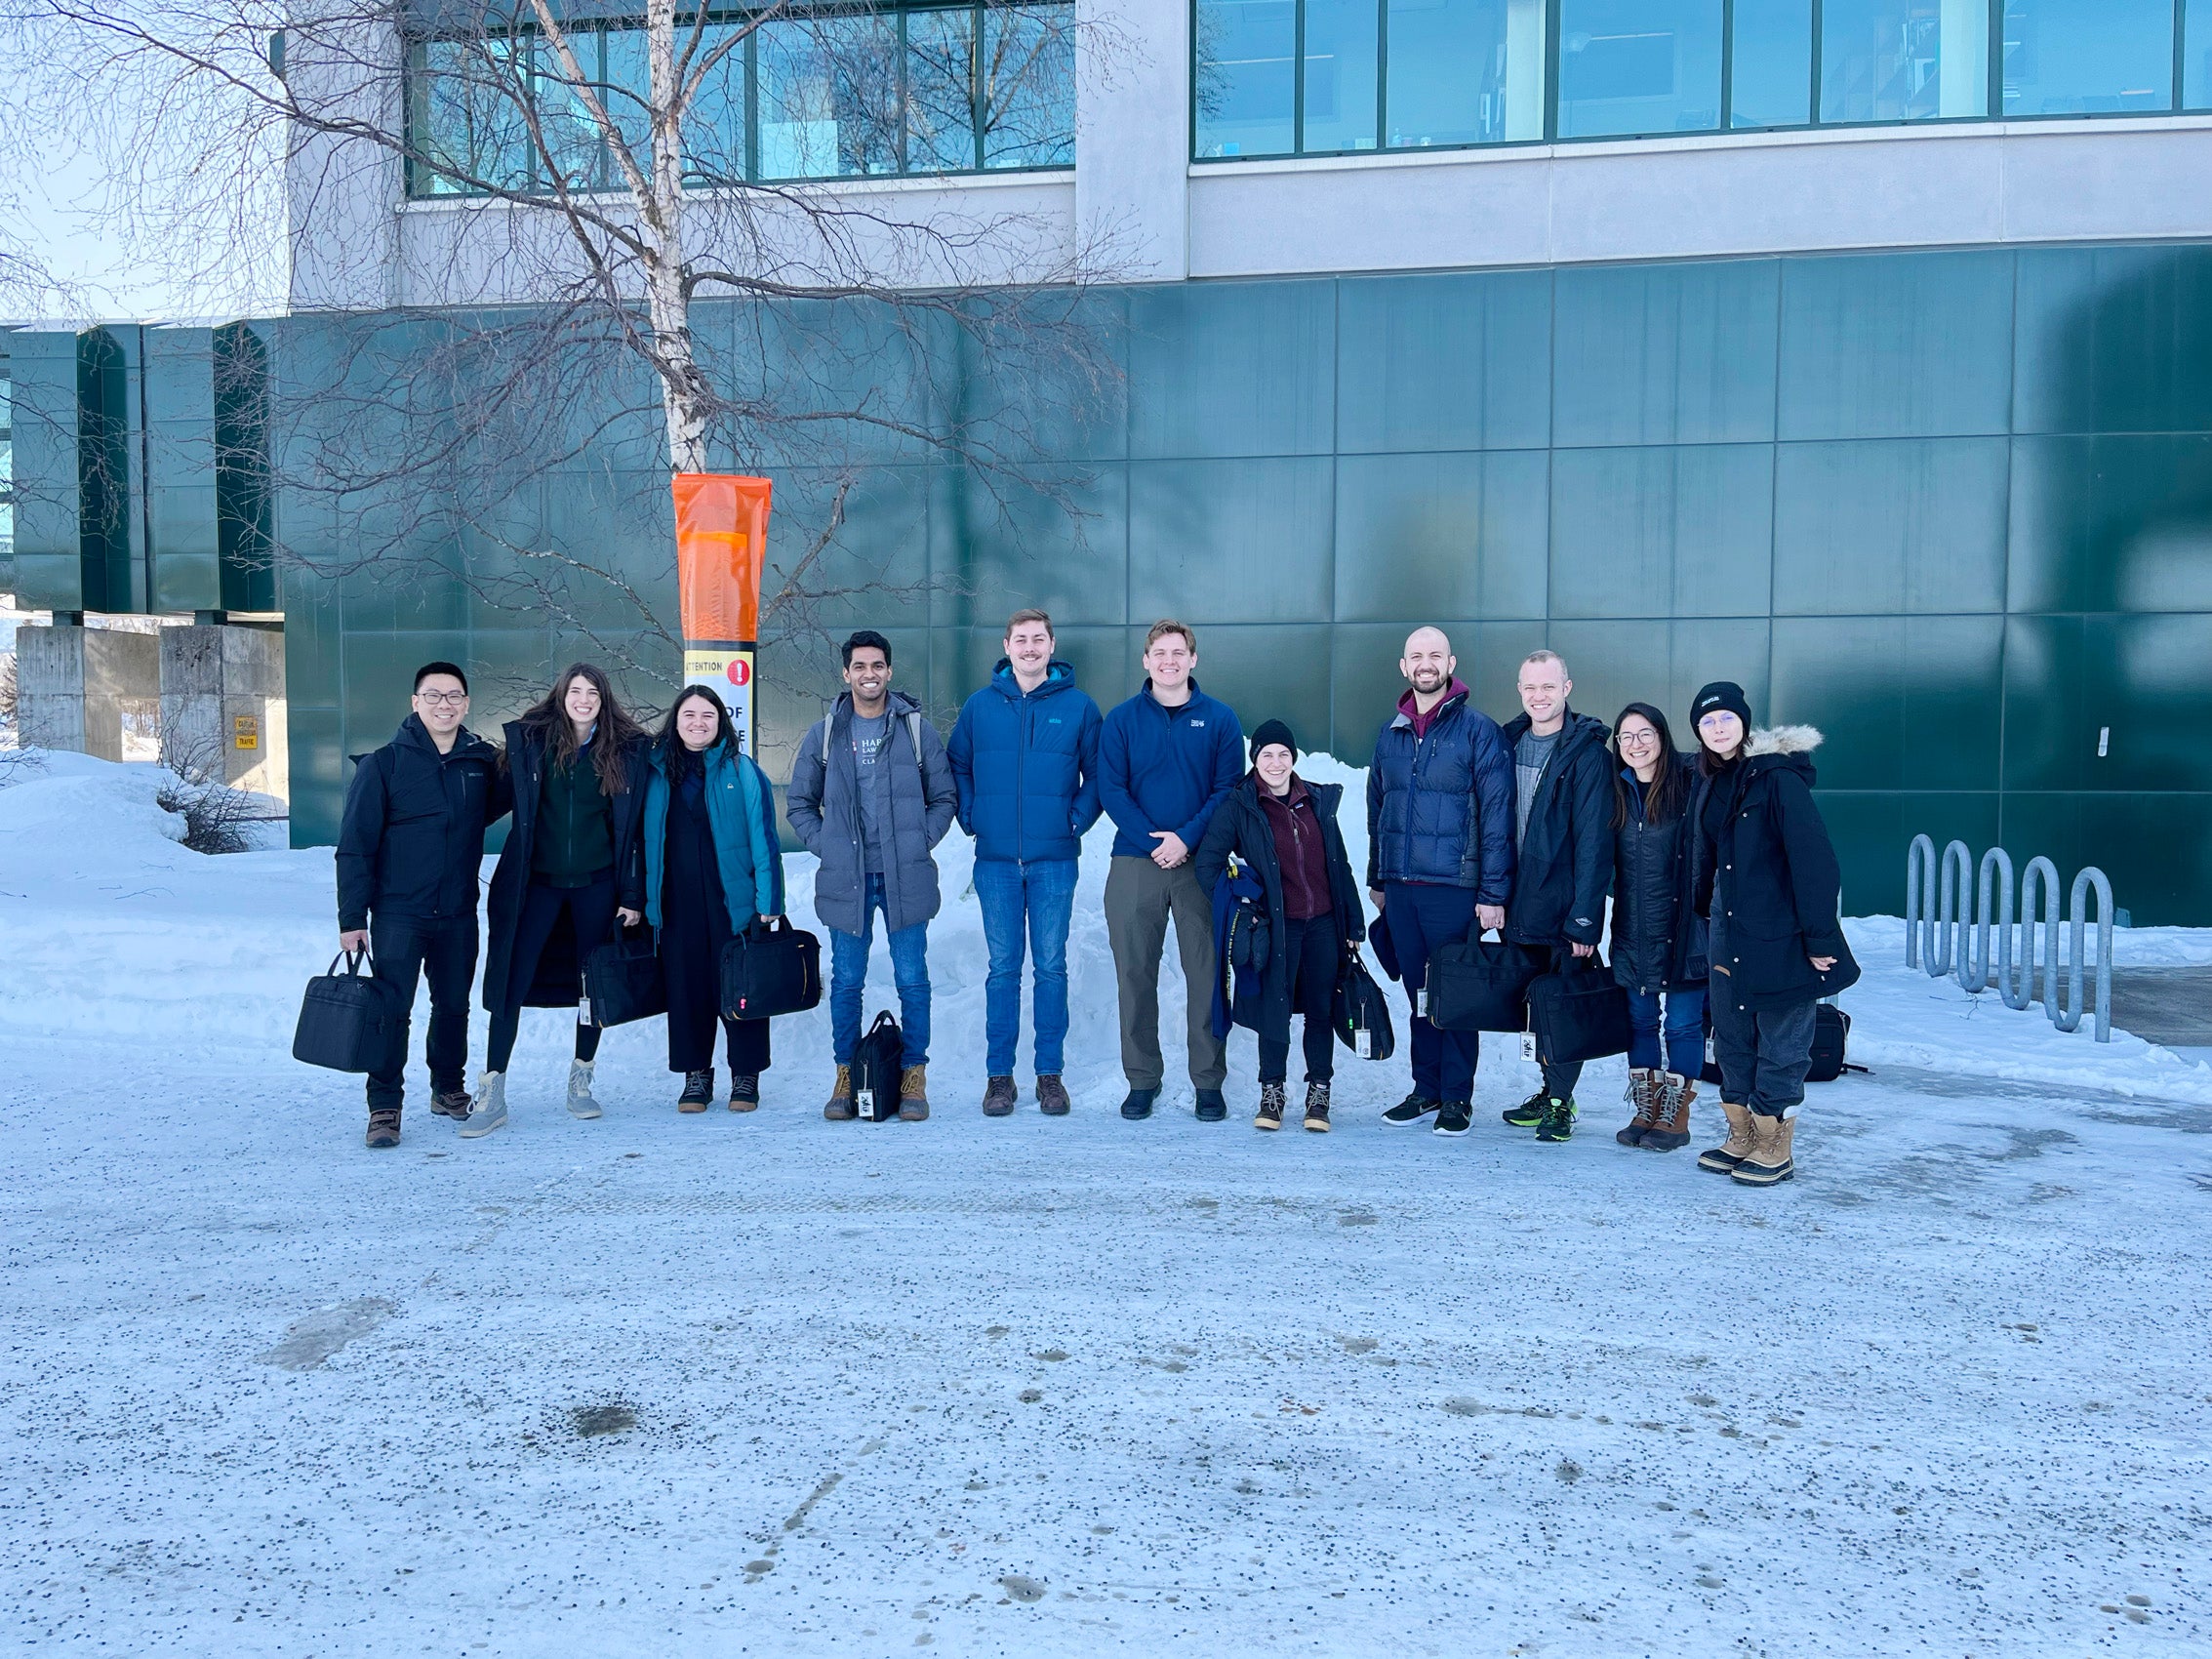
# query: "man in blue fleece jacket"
1167, 757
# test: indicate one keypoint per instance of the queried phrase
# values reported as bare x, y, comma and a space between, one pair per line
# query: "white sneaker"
580, 1101
490, 1110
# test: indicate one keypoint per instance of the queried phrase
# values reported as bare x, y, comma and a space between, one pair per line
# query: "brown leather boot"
1770, 1160
383, 1126
1723, 1158
913, 1093
1670, 1113
1643, 1095
840, 1107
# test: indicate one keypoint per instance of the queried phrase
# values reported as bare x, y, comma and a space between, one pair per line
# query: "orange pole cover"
721, 538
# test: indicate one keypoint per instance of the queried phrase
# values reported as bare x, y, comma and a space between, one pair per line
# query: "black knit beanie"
1721, 694
1273, 731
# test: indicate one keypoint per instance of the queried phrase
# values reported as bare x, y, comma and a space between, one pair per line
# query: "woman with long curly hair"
570, 871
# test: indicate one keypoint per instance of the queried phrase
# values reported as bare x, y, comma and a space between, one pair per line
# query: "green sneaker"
1558, 1123
1529, 1113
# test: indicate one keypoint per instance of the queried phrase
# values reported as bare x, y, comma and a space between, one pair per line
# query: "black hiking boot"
1270, 1107
744, 1091
1139, 1104
1317, 1108
698, 1091
1212, 1105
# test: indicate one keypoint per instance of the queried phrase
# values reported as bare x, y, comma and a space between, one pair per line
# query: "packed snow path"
658, 1385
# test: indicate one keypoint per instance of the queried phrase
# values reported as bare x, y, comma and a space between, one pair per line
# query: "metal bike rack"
1940, 940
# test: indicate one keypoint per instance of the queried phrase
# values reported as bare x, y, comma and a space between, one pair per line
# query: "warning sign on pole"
721, 535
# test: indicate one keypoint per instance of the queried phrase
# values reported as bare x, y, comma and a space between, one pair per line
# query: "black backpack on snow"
878, 1066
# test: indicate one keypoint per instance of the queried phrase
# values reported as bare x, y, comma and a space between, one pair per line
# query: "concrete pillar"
222, 700
1133, 137
73, 685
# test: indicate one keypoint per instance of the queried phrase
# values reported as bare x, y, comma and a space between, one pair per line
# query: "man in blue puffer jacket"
1439, 855
1025, 759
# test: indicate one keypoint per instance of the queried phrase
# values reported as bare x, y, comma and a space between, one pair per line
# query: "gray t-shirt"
869, 740
1530, 756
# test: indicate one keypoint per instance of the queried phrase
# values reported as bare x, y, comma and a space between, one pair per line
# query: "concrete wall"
73, 685
222, 702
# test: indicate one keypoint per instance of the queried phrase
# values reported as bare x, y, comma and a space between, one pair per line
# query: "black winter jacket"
1240, 826
1565, 866
412, 841
559, 976
1767, 875
1659, 939
1440, 807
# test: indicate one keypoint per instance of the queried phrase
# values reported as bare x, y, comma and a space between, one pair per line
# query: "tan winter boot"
840, 1107
913, 1093
1670, 1113
1723, 1158
1643, 1095
1770, 1160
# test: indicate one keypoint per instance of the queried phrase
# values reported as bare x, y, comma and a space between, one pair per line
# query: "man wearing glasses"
409, 854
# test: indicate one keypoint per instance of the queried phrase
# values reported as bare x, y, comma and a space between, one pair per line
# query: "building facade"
1859, 351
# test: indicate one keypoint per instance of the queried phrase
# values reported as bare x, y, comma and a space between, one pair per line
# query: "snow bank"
109, 928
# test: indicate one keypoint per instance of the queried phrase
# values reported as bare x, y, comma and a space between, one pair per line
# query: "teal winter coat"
740, 811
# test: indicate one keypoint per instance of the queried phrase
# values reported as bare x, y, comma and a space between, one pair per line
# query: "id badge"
865, 1104
1363, 1043
1528, 1046
583, 1009
1420, 1003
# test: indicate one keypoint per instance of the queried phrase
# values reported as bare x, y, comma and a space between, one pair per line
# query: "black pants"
406, 951
1310, 954
1559, 1080
591, 910
691, 960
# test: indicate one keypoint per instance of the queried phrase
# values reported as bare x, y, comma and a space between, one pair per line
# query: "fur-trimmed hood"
1783, 739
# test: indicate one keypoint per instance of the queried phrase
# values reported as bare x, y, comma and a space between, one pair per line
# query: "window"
1772, 62
1245, 88
1463, 71
1904, 59
941, 89
2088, 56
1339, 65
1628, 66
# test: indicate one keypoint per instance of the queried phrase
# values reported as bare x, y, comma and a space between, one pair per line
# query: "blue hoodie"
1167, 768
1026, 767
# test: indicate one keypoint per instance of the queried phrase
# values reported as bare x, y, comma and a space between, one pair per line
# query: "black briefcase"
622, 981
1358, 1011
1578, 1013
771, 968
352, 1021
1480, 984
878, 1071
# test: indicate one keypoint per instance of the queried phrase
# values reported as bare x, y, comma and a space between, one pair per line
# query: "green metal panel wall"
49, 573
180, 449
1956, 509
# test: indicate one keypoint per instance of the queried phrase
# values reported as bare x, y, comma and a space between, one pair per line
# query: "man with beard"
1439, 855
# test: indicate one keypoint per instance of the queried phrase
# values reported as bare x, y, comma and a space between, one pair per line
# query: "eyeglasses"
443, 699
1638, 739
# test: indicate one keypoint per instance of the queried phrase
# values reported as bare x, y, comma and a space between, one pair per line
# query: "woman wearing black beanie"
1768, 880
1283, 830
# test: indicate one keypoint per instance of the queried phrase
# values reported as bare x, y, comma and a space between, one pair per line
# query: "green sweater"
574, 840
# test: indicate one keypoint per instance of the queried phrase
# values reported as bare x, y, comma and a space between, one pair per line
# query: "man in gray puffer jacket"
871, 795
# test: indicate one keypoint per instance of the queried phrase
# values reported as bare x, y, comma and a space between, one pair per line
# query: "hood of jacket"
1455, 694
895, 702
1059, 675
1779, 748
1577, 730
467, 744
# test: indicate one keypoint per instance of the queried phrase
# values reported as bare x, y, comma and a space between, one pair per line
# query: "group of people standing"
1723, 882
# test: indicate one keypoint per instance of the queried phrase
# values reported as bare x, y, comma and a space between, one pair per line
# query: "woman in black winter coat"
569, 874
1659, 939
1768, 881
1284, 831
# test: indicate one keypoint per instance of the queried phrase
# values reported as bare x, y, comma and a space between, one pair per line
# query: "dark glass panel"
1771, 78
714, 136
1464, 71
468, 125
2088, 56
1631, 66
828, 96
1245, 55
940, 90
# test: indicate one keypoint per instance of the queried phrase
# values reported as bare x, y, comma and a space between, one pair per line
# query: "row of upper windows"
1320, 77
956, 88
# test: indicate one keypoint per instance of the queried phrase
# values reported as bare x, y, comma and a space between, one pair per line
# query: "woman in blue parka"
713, 865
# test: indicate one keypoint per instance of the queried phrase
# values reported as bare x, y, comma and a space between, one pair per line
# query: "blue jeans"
1685, 1030
909, 971
1041, 894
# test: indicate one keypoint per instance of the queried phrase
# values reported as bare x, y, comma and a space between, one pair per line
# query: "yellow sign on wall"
246, 732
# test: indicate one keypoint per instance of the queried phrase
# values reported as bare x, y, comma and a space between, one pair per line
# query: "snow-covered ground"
661, 1385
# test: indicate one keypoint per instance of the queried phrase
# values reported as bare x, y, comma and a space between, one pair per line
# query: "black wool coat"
1565, 866
1659, 939
1768, 877
412, 841
559, 979
1240, 826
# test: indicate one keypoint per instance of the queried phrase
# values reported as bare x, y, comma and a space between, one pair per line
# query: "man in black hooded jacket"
409, 850
1563, 818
